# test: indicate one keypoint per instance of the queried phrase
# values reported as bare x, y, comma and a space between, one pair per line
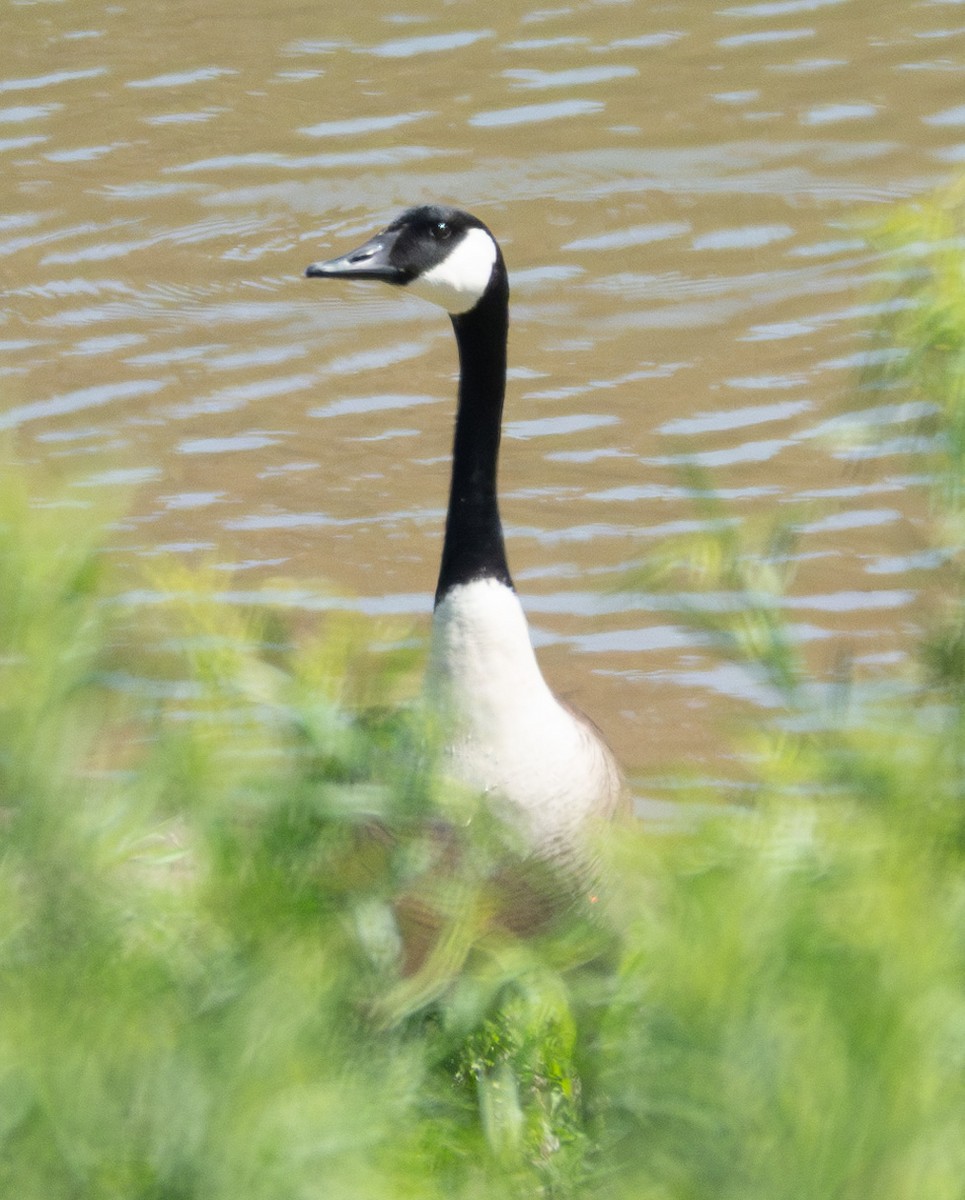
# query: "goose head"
442, 254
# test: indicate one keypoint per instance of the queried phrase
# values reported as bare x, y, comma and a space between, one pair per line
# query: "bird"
541, 765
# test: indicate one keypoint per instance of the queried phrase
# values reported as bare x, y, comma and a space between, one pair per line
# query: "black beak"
369, 261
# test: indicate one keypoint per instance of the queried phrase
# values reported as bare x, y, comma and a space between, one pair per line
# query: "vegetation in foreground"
200, 935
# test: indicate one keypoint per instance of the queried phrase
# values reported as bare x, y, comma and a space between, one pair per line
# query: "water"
676, 188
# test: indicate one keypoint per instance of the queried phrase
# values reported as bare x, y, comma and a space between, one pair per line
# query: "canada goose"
543, 766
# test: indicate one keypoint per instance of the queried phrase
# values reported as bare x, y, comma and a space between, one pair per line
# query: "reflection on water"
675, 189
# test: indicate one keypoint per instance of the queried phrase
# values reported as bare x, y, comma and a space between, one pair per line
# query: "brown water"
674, 186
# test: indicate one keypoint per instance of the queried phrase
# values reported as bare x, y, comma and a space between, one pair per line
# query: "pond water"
676, 189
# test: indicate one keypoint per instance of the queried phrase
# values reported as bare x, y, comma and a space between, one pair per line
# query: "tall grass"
252, 946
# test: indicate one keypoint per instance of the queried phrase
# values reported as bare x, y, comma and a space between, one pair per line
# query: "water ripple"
357, 405
728, 456
765, 36
21, 143
778, 8
237, 396
530, 114
949, 116
537, 80
27, 112
647, 41
312, 46
558, 426
79, 401
385, 157
830, 114
376, 359
547, 43
361, 125
853, 519
51, 80
227, 445
637, 235
740, 418
181, 78
431, 44
744, 238
183, 118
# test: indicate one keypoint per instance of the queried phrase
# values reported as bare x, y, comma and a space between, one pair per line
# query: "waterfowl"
543, 766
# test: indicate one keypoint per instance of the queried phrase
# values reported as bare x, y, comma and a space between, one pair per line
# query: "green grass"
209, 865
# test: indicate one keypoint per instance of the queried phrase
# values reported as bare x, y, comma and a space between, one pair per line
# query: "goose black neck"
473, 547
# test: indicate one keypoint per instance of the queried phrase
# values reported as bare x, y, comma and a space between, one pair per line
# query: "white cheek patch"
458, 282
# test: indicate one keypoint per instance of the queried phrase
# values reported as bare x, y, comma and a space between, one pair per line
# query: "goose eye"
440, 231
